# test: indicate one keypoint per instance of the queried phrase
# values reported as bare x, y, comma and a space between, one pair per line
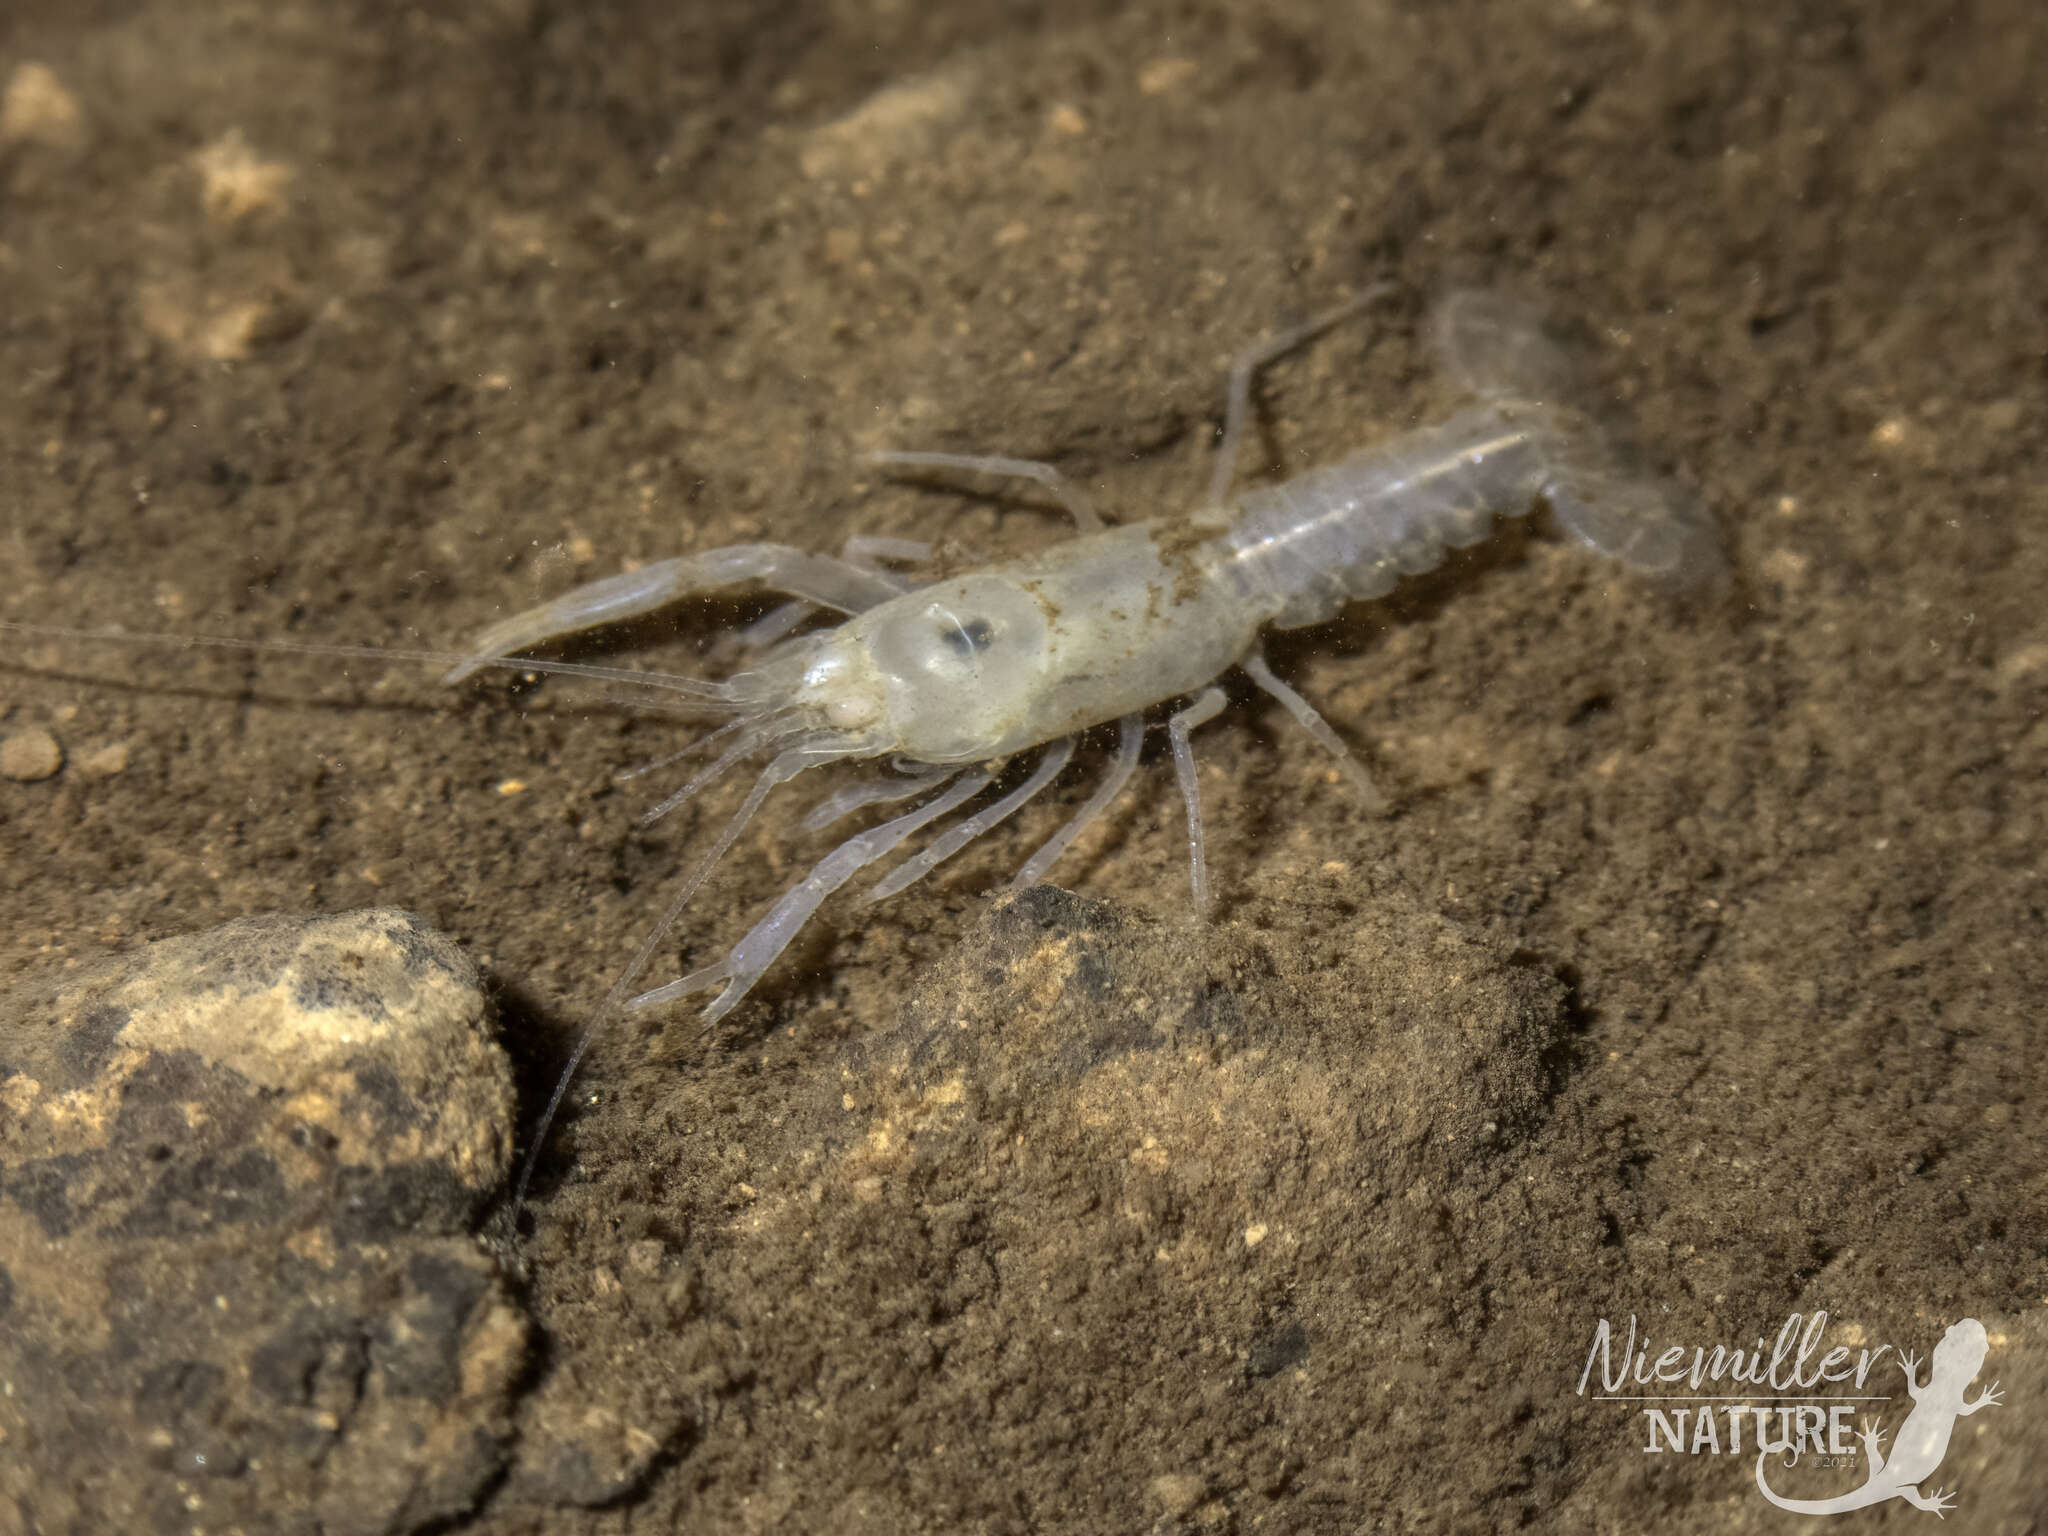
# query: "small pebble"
1178, 1492
35, 108
29, 755
105, 762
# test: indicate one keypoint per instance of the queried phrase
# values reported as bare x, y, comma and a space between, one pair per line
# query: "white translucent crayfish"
952, 679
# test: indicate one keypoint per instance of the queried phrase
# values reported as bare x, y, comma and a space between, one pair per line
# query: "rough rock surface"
236, 1170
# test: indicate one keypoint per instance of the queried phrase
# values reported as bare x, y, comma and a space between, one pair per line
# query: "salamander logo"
1789, 1417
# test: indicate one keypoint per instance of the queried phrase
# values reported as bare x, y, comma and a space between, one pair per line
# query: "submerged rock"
237, 1171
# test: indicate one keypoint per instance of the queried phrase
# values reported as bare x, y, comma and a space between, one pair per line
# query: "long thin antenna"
696, 687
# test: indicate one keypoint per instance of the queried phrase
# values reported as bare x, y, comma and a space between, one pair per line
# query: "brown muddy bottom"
1693, 978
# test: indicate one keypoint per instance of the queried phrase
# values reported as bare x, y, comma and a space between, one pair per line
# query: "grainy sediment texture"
369, 322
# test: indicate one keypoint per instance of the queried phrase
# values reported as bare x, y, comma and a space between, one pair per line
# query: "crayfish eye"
962, 662
969, 637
